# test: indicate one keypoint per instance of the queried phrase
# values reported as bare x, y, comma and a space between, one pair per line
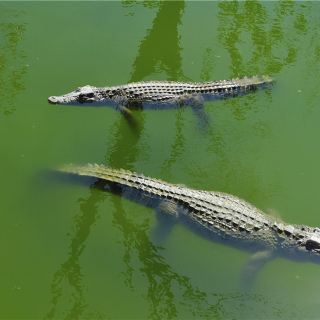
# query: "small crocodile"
222, 215
160, 93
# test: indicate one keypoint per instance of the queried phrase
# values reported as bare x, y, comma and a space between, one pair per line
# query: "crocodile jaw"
86, 94
69, 98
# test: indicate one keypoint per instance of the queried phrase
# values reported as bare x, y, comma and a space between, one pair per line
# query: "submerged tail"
120, 176
258, 81
247, 84
125, 178
234, 87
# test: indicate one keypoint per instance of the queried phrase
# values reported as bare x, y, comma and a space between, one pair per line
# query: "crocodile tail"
255, 81
122, 177
101, 172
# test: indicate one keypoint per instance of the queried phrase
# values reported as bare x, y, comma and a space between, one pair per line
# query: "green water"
69, 250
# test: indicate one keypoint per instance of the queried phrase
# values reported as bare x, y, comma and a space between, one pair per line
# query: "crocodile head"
86, 94
307, 241
302, 241
311, 241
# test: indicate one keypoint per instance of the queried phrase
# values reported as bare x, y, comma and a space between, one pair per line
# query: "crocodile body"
160, 93
222, 215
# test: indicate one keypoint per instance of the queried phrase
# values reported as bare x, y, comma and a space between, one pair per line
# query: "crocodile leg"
121, 103
124, 110
196, 102
256, 262
168, 207
202, 117
167, 213
129, 117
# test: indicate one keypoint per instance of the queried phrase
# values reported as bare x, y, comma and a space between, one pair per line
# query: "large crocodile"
160, 93
223, 216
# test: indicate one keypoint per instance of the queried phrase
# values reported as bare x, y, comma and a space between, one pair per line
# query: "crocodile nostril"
52, 100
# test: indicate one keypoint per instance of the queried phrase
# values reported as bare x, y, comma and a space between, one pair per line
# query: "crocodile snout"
53, 100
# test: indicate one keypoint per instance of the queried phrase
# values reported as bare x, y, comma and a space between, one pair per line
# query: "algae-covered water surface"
72, 250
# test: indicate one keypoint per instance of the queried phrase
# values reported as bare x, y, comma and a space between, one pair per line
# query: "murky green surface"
70, 251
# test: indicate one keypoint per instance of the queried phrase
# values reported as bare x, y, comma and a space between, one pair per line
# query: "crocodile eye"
85, 96
82, 97
312, 244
